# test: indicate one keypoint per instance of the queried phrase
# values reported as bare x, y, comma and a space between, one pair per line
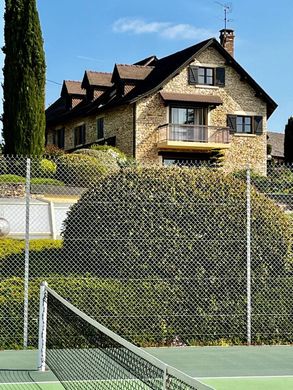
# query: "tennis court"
76, 352
236, 368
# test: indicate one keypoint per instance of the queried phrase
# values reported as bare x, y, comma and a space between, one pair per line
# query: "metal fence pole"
26, 256
248, 253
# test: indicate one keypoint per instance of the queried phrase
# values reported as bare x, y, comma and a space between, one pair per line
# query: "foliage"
279, 179
48, 168
11, 179
288, 143
105, 158
121, 158
188, 227
46, 181
80, 170
44, 255
53, 151
24, 80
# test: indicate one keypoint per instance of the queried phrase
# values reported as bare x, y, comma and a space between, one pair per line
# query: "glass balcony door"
188, 124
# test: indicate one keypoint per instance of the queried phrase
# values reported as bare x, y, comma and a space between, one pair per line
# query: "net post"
42, 327
165, 378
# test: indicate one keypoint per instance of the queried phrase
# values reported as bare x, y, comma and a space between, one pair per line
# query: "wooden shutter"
62, 138
220, 77
193, 75
258, 124
83, 134
75, 136
231, 123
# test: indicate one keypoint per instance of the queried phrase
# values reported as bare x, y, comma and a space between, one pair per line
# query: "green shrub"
46, 181
45, 257
187, 226
108, 296
121, 158
80, 170
15, 179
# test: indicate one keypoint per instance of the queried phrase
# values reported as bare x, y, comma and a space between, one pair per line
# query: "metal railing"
193, 133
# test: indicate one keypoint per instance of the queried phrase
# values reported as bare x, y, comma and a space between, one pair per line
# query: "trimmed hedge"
80, 169
187, 226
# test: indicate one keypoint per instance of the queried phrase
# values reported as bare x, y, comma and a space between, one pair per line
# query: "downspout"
134, 130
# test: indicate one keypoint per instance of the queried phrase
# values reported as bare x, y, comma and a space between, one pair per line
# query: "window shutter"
231, 122
193, 75
258, 124
75, 136
220, 77
62, 138
83, 134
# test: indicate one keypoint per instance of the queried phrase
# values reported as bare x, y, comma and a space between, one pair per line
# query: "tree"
288, 143
24, 80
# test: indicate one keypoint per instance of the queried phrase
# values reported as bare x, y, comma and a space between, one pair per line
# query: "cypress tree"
24, 80
288, 143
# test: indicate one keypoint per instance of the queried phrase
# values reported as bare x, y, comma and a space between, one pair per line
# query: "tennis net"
84, 354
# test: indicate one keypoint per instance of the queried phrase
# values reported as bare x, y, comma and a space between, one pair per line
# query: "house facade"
178, 109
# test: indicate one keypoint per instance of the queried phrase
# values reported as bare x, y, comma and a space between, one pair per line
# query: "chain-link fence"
163, 256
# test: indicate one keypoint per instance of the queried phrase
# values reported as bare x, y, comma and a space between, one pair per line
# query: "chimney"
227, 40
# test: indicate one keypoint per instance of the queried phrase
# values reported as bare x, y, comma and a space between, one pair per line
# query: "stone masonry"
151, 112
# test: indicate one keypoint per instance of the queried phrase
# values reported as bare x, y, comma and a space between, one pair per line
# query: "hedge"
187, 226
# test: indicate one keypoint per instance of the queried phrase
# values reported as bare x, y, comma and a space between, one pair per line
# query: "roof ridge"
95, 71
137, 66
73, 81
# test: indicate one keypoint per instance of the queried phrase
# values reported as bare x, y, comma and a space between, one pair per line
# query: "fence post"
26, 256
248, 252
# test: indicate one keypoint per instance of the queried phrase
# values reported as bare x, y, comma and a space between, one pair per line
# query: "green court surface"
223, 368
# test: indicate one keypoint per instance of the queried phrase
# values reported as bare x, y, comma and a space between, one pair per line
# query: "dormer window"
203, 75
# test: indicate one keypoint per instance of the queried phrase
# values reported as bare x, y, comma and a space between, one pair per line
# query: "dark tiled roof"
73, 87
133, 72
189, 97
56, 109
277, 142
147, 61
169, 66
150, 79
99, 79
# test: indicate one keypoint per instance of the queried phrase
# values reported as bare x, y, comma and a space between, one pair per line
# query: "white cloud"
138, 26
165, 29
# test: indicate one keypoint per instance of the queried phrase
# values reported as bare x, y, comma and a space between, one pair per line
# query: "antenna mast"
227, 7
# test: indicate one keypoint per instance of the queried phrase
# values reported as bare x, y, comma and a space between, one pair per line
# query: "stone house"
276, 143
177, 109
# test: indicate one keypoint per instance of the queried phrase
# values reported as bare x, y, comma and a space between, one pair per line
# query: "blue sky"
94, 34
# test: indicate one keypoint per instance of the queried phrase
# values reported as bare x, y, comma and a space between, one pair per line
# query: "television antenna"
227, 7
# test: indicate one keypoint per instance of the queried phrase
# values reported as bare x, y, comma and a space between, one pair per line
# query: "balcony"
192, 137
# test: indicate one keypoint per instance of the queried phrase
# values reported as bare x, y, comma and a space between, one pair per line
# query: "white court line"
244, 377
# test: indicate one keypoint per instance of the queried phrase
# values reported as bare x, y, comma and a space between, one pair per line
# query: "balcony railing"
194, 133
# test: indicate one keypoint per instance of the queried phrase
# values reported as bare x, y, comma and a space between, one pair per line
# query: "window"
188, 124
202, 75
79, 135
100, 128
59, 138
206, 76
245, 124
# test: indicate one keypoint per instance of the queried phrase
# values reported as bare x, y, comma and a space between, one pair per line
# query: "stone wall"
118, 122
238, 99
151, 112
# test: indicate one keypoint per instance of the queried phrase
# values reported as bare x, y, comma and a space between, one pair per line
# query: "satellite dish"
4, 227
